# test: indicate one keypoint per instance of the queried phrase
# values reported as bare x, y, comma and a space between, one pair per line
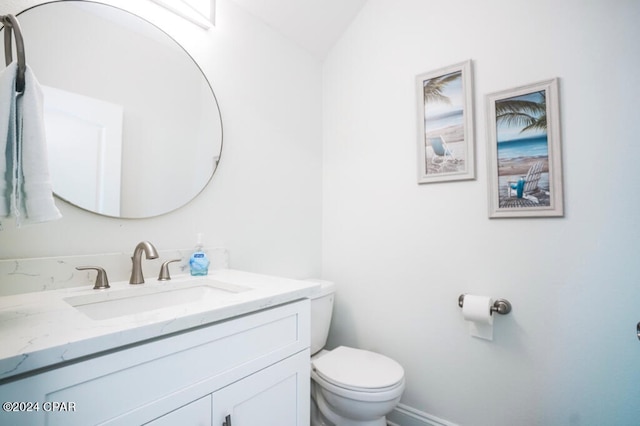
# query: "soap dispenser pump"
198, 262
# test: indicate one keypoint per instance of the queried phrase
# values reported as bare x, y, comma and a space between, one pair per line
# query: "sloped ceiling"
315, 25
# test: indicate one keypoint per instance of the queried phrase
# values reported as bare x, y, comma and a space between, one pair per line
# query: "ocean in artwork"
536, 146
443, 120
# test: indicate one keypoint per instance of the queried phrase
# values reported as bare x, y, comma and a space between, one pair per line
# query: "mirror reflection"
133, 126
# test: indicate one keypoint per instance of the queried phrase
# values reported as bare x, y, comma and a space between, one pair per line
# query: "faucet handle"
102, 281
164, 270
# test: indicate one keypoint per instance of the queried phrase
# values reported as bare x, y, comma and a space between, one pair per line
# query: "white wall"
401, 253
264, 202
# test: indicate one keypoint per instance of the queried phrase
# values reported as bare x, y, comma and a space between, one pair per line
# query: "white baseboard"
404, 415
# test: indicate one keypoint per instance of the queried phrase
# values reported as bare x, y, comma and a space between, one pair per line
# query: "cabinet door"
197, 413
276, 396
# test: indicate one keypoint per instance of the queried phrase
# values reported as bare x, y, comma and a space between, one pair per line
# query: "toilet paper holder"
501, 306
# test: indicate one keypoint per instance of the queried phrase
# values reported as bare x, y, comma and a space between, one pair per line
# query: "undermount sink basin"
108, 304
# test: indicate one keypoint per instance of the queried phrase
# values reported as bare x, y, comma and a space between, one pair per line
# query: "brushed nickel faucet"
150, 252
102, 282
164, 270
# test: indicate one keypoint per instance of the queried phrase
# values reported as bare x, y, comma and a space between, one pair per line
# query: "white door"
80, 128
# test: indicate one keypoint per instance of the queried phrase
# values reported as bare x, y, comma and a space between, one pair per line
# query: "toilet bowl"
353, 387
349, 387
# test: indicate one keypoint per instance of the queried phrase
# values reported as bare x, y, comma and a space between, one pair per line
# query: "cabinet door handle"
227, 421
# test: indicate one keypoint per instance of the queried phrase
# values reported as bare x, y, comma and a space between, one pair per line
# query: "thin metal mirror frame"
215, 99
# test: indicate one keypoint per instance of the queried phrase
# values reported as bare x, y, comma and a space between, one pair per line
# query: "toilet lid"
358, 369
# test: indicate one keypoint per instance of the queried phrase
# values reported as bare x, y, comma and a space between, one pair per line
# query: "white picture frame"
524, 151
446, 146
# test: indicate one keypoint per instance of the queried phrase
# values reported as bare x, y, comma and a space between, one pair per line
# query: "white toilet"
349, 387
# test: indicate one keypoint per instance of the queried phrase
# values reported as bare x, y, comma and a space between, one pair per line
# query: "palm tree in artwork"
531, 115
433, 87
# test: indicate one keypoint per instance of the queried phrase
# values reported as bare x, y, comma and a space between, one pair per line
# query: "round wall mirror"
133, 126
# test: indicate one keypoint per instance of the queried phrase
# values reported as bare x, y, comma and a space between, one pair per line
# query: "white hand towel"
32, 196
8, 137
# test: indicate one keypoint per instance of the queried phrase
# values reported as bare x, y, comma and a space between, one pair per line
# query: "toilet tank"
321, 311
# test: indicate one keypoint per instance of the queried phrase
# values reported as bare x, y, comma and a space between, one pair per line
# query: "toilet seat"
359, 370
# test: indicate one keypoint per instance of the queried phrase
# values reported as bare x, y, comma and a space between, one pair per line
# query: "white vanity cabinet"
253, 368
196, 413
266, 398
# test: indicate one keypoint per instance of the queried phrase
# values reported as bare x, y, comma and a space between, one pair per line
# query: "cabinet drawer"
108, 386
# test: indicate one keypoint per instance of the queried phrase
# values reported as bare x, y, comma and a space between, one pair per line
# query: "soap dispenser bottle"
198, 262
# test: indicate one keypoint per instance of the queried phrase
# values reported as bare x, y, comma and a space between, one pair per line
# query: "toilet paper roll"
477, 310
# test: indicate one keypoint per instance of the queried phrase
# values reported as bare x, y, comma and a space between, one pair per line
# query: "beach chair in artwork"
526, 185
442, 154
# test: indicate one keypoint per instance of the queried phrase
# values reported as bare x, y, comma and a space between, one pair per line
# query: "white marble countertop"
41, 329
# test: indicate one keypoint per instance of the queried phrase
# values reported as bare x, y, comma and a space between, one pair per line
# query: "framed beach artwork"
445, 124
524, 152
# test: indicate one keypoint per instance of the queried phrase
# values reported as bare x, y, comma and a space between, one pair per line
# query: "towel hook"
11, 23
